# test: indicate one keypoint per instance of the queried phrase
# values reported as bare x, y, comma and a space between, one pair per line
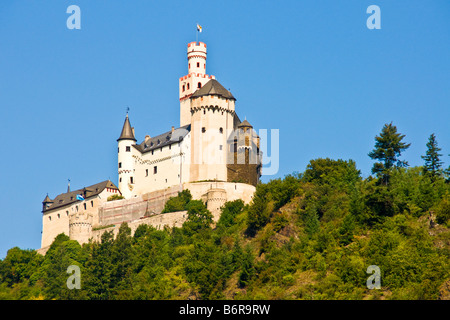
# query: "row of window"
155, 171
198, 65
204, 129
199, 85
127, 149
67, 211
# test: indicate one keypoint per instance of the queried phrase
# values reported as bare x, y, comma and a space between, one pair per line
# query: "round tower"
125, 159
215, 199
196, 54
195, 79
80, 227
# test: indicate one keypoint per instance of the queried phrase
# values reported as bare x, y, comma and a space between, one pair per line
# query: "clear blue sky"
311, 69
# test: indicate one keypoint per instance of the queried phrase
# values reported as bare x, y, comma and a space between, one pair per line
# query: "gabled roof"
64, 199
164, 139
213, 87
127, 131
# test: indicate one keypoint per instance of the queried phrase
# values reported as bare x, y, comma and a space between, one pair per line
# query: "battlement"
196, 44
199, 75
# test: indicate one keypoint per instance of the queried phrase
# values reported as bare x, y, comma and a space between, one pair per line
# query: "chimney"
132, 129
173, 128
147, 137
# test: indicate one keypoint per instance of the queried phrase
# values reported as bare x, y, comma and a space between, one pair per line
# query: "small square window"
128, 149
203, 129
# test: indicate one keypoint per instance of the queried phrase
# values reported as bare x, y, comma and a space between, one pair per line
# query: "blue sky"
311, 69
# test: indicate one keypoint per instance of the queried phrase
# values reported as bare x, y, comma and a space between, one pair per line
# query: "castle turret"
215, 199
194, 80
80, 227
46, 203
125, 159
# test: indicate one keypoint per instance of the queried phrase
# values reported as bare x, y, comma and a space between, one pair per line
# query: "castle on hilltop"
212, 153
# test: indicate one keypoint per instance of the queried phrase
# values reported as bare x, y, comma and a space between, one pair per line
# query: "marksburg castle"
212, 153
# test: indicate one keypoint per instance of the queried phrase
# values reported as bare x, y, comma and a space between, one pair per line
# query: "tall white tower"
125, 159
194, 80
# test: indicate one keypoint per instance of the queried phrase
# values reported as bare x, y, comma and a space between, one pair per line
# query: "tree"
248, 269
259, 211
388, 149
433, 164
178, 203
447, 173
122, 257
198, 217
229, 212
339, 173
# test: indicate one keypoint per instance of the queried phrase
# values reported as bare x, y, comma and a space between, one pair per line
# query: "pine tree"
447, 173
388, 148
433, 164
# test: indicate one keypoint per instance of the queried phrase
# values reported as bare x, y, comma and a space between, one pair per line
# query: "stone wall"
172, 219
126, 210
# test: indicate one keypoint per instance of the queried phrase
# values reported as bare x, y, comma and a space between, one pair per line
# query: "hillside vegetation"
310, 235
307, 236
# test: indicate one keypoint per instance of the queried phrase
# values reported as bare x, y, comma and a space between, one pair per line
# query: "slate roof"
64, 199
213, 87
164, 139
244, 124
127, 131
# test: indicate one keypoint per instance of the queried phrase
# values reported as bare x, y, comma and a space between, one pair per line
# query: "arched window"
198, 64
184, 87
199, 85
188, 86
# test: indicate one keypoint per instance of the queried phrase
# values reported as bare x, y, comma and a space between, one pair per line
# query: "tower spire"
127, 130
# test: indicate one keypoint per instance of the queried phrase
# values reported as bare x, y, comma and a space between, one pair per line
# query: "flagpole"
196, 37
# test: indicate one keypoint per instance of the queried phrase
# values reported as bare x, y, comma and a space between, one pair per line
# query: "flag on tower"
199, 28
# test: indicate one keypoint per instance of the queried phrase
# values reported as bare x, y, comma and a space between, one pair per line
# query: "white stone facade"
193, 156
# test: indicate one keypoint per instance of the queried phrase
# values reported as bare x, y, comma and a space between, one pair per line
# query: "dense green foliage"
307, 236
310, 235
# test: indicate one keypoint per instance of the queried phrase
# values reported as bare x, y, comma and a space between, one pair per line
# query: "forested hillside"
310, 235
